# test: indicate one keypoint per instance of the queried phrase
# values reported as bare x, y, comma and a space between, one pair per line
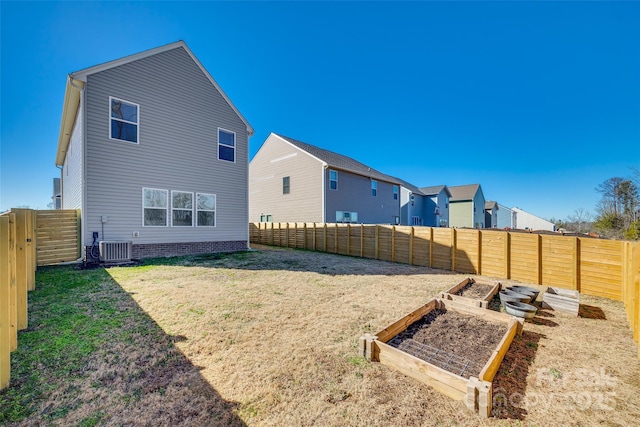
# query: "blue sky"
537, 102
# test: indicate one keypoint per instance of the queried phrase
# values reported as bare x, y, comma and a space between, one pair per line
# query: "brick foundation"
149, 250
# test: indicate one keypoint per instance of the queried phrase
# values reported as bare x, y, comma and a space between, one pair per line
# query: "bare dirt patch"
459, 343
270, 338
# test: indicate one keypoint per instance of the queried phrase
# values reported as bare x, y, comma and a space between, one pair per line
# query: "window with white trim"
265, 218
154, 207
395, 192
123, 118
226, 145
374, 187
181, 209
333, 179
206, 210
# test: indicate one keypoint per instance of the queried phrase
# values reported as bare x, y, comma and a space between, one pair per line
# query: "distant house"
56, 198
292, 181
491, 214
528, 221
506, 217
437, 212
466, 206
153, 151
413, 204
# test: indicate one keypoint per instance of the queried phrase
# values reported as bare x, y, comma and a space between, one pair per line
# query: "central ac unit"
112, 251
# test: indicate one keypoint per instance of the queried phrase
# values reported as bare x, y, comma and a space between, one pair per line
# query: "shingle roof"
490, 204
435, 189
463, 192
340, 161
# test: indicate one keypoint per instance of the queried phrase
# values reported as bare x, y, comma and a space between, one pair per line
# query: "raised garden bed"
472, 293
451, 346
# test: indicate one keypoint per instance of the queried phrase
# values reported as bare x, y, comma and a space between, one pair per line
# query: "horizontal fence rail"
596, 267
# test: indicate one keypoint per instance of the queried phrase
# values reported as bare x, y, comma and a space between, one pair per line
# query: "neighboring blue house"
437, 208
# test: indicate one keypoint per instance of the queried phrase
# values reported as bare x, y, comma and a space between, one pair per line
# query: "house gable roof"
339, 161
77, 79
490, 204
435, 190
462, 193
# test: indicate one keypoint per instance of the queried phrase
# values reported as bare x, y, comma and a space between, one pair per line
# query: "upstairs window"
206, 210
226, 145
124, 120
395, 192
374, 187
285, 185
333, 179
181, 209
154, 207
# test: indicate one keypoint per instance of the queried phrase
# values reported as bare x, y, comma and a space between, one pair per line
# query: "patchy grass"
270, 337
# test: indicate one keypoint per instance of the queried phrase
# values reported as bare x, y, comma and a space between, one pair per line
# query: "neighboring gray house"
152, 151
412, 204
491, 214
56, 198
506, 217
437, 210
466, 206
292, 181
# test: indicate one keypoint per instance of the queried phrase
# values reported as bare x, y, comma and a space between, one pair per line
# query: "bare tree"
581, 219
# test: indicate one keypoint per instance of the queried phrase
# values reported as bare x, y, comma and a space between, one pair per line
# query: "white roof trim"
82, 74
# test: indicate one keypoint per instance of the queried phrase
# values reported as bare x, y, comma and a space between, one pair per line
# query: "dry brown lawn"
272, 338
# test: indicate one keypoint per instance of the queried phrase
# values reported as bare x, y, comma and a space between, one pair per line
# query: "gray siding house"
292, 181
466, 206
491, 214
152, 151
412, 204
437, 210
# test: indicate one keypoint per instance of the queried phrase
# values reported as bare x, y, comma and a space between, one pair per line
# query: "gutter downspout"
324, 196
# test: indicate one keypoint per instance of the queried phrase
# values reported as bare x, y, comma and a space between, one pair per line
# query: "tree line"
617, 212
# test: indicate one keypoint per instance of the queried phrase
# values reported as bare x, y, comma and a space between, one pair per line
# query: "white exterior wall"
527, 221
72, 170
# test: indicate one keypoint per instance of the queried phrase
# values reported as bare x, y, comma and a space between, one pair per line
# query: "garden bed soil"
457, 342
475, 290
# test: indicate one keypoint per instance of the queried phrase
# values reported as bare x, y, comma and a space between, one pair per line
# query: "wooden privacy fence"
29, 239
597, 267
58, 234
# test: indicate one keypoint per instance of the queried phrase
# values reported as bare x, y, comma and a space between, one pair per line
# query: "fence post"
348, 239
29, 249
376, 243
454, 247
507, 255
576, 263
335, 238
430, 247
393, 243
21, 268
479, 252
411, 236
5, 307
324, 247
361, 240
539, 256
13, 284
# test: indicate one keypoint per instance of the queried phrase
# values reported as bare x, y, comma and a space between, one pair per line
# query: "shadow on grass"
510, 383
92, 356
